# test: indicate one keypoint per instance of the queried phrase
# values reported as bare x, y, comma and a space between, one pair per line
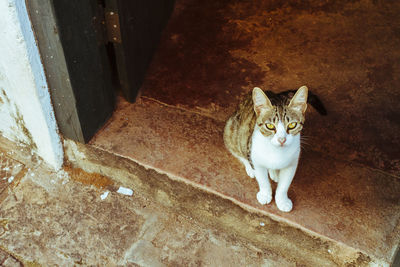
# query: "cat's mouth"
279, 145
281, 141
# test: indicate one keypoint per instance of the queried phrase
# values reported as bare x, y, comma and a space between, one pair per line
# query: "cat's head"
281, 118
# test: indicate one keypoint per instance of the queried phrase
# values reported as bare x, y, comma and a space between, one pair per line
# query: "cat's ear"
260, 100
299, 100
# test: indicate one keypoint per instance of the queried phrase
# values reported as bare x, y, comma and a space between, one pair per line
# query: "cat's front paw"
250, 171
283, 203
264, 197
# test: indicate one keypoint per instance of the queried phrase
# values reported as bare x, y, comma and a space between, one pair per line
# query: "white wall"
26, 114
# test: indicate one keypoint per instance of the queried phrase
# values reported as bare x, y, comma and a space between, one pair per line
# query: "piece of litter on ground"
125, 191
104, 195
262, 224
10, 179
17, 166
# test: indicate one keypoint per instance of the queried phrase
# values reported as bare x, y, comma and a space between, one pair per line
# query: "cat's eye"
270, 126
292, 125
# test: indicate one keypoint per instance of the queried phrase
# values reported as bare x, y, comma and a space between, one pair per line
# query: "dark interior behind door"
141, 24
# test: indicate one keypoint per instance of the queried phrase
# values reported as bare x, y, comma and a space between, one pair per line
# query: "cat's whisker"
304, 144
306, 139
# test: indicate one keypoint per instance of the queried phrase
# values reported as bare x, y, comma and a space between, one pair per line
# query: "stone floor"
192, 203
65, 219
347, 188
11, 172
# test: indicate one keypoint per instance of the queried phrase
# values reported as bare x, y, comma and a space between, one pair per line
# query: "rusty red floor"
347, 187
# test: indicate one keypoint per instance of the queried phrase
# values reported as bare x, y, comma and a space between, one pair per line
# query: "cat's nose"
282, 140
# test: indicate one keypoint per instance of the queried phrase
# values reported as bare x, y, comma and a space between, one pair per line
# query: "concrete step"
65, 218
352, 210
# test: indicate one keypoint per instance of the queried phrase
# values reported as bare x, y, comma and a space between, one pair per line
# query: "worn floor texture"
64, 219
347, 188
192, 203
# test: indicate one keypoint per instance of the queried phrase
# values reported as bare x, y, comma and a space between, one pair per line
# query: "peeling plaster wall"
26, 113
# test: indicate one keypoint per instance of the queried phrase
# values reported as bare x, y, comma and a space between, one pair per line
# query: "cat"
264, 135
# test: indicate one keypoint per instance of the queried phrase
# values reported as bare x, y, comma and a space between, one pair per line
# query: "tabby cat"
264, 134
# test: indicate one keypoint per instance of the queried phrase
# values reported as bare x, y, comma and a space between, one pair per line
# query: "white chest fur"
268, 155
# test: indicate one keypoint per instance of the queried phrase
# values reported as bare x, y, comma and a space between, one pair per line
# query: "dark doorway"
92, 48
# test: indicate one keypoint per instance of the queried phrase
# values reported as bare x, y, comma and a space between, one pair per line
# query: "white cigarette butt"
125, 191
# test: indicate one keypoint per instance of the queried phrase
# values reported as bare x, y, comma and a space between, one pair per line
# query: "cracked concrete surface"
334, 199
51, 219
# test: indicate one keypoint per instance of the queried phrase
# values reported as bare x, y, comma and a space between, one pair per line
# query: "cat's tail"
316, 103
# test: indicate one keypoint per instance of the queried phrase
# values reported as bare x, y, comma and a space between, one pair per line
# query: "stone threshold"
218, 214
351, 207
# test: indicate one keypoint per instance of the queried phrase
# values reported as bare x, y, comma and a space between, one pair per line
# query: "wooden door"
76, 65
